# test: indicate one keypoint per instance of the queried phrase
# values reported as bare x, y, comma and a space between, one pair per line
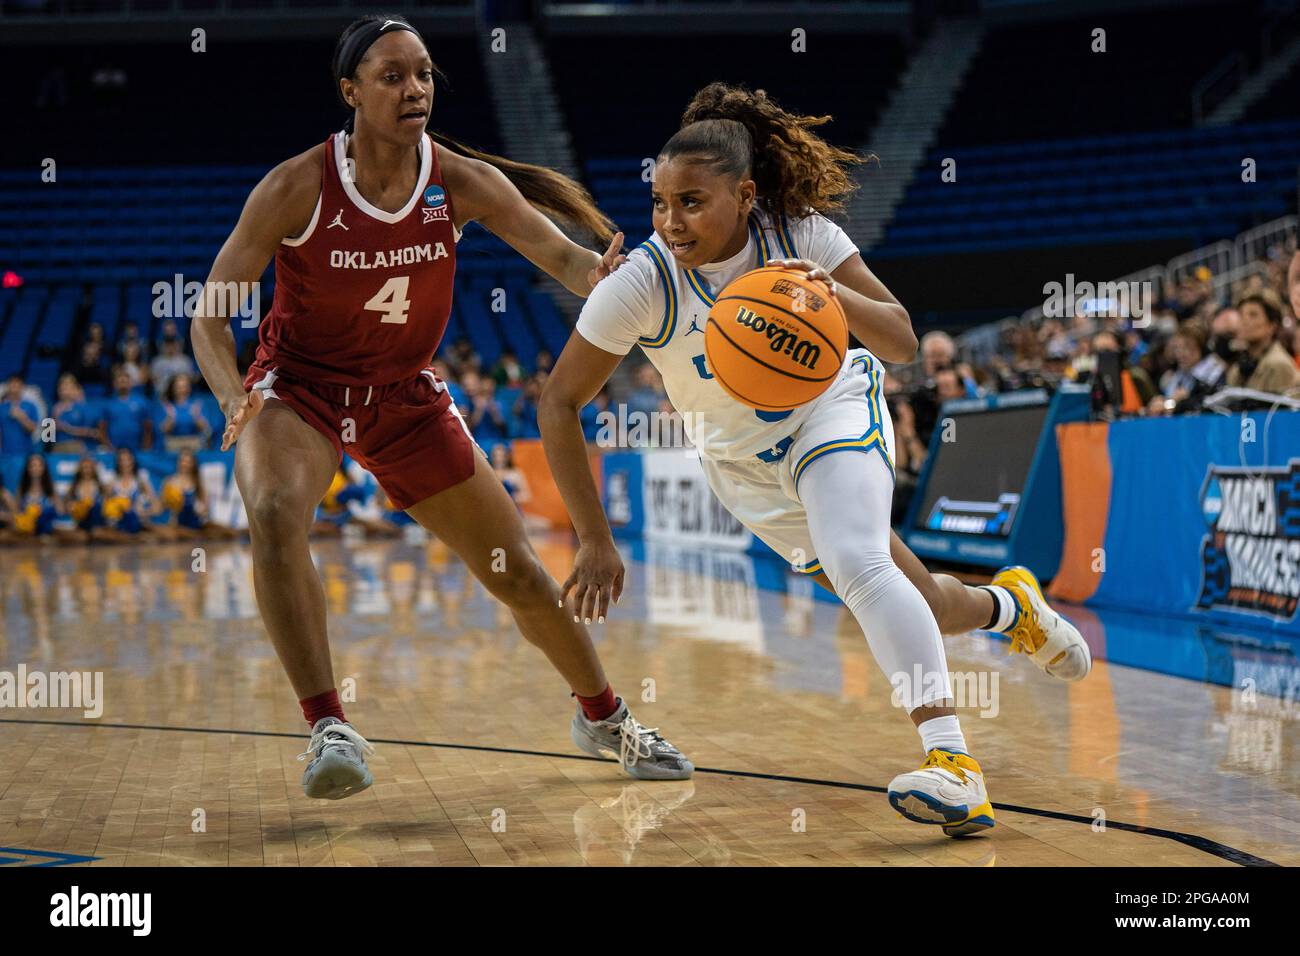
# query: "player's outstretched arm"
280, 205
484, 193
580, 372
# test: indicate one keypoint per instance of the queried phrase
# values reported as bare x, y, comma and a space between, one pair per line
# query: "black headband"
355, 47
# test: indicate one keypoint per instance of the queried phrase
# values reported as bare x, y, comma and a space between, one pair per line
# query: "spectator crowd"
134, 396
116, 401
1199, 338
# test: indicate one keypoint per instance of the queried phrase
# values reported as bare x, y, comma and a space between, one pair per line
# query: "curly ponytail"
745, 133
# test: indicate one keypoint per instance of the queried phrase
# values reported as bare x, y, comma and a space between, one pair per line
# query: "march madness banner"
1203, 517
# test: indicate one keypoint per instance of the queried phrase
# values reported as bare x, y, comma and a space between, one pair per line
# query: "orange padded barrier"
1085, 501
530, 459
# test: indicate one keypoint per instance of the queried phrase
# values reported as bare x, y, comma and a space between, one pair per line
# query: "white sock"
1005, 604
942, 733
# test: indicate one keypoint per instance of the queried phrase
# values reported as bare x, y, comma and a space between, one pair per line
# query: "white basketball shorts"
764, 494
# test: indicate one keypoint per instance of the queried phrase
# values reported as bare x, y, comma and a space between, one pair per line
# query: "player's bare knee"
522, 584
276, 512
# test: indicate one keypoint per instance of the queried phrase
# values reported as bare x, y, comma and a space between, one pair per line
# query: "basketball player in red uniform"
363, 229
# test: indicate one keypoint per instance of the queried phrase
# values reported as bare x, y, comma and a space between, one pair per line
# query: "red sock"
322, 705
600, 706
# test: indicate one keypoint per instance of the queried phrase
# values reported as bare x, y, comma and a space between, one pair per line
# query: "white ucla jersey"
654, 302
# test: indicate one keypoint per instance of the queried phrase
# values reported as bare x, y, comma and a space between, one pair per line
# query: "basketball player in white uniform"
719, 212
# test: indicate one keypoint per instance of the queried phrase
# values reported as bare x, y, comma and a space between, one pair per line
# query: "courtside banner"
544, 500
681, 507
1204, 519
622, 498
662, 495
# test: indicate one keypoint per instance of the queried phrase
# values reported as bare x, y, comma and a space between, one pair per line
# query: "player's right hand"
239, 414
596, 577
609, 262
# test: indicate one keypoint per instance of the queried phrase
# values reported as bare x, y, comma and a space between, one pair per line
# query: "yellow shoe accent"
980, 818
1026, 633
927, 795
1052, 642
953, 762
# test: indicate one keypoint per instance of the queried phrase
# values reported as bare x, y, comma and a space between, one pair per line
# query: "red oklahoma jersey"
362, 297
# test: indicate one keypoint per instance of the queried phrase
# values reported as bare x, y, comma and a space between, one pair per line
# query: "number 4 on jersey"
391, 300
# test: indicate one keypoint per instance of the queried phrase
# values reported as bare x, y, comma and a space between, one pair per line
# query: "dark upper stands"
237, 103
616, 109
1281, 103
22, 8
1058, 146
1039, 80
619, 118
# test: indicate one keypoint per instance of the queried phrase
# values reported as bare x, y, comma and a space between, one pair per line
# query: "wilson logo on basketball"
810, 300
775, 339
780, 340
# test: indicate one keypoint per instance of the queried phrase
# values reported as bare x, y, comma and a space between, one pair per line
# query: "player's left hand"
610, 261
597, 577
804, 265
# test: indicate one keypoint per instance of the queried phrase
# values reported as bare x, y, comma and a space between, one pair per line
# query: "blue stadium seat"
1181, 183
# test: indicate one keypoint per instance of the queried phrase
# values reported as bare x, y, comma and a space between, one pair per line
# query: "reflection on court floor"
1179, 749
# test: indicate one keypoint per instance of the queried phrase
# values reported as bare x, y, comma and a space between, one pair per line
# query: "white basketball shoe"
641, 751
1051, 642
947, 790
338, 761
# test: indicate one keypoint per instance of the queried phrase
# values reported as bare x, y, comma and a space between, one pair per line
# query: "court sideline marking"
1204, 844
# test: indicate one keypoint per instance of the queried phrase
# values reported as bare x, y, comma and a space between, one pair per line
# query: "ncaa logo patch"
435, 209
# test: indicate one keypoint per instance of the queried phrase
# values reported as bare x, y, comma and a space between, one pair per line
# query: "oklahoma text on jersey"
361, 259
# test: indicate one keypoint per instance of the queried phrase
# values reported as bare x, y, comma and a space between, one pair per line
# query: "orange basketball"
775, 340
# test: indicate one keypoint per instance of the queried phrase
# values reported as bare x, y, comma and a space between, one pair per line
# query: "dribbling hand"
813, 270
240, 414
596, 577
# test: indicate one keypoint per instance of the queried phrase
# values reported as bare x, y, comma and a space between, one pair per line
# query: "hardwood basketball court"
774, 696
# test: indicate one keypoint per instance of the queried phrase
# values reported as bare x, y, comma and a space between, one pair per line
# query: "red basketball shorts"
409, 434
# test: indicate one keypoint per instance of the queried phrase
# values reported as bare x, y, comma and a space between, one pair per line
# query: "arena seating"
1122, 187
37, 321
613, 114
